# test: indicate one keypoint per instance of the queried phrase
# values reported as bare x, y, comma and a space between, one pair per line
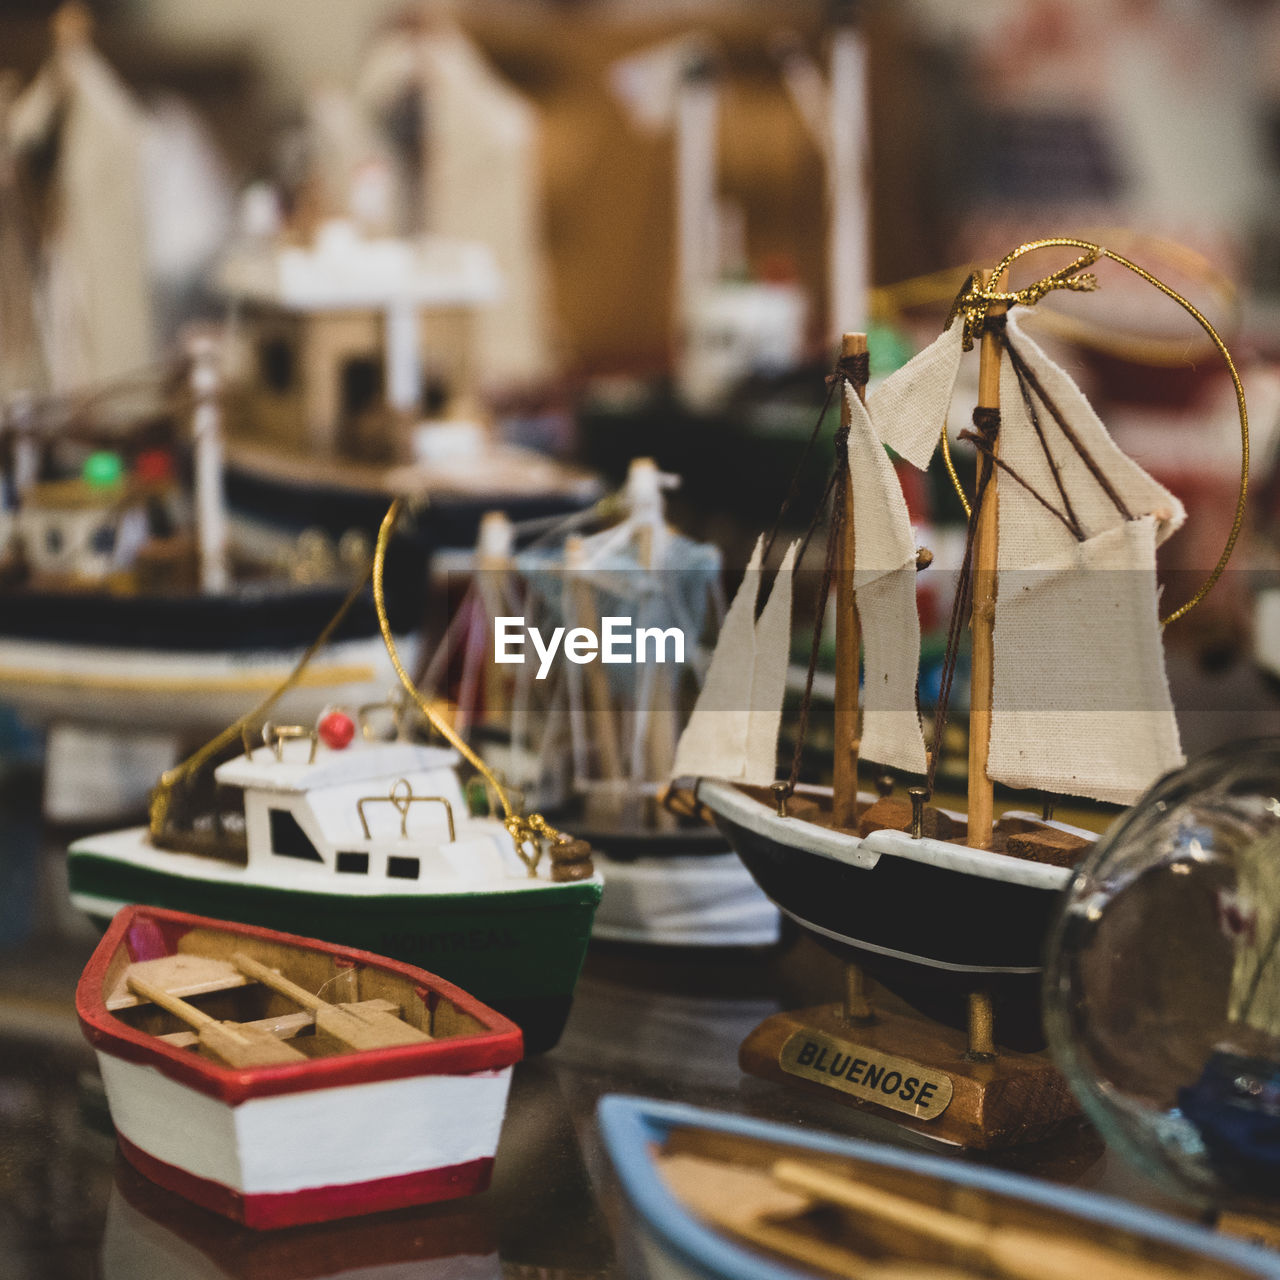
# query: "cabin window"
276, 365
354, 863
53, 540
103, 540
435, 396
289, 840
402, 868
362, 385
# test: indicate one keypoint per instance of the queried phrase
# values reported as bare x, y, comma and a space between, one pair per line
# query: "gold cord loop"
161, 803
527, 833
972, 301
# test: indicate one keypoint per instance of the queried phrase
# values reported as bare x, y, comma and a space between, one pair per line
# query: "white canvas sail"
478, 176
98, 293
733, 731
885, 583
910, 406
1081, 702
21, 356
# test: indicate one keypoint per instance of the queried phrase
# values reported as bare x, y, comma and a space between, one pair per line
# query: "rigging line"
827, 492
824, 593
1024, 370
1016, 363
523, 830
161, 797
987, 452
850, 371
815, 520
959, 610
836, 379
1237, 523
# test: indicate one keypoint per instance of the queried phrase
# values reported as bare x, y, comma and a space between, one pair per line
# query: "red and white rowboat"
279, 1080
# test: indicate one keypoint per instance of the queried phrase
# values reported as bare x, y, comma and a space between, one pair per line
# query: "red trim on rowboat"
267, 1211
149, 932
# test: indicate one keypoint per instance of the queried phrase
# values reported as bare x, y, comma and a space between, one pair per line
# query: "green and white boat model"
330, 833
369, 845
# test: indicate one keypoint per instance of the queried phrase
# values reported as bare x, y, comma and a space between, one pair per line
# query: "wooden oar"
780, 1239
1012, 1251
746, 1203
357, 1028
230, 1043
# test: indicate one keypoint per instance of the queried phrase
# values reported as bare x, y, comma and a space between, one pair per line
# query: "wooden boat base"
1013, 1099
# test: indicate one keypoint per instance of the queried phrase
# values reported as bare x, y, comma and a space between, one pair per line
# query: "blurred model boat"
362, 386
593, 743
128, 613
364, 843
743, 359
278, 1080
717, 1195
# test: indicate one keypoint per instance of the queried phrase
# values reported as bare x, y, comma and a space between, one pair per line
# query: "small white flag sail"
733, 731
910, 406
885, 584
1080, 703
98, 293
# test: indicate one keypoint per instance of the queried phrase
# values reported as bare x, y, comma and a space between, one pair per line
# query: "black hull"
446, 520
930, 933
929, 916
267, 616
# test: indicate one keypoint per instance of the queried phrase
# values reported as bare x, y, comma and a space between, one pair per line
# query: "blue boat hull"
674, 1243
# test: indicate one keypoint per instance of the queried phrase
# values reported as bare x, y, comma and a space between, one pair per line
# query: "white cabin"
391, 814
75, 530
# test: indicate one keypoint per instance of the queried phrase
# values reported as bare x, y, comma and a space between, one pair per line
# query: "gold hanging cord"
524, 831
971, 305
527, 832
162, 796
890, 302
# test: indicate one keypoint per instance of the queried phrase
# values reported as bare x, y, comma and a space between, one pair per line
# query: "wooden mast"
985, 548
848, 633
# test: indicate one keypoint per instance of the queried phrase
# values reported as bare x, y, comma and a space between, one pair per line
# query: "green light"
889, 348
102, 470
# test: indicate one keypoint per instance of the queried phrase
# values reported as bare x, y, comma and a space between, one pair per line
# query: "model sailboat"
593, 744
1069, 694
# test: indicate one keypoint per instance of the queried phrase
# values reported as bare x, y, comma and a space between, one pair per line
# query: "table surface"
645, 1021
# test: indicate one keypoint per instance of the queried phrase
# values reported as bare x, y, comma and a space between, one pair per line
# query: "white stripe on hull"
132, 847
322, 1137
865, 851
904, 955
141, 689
